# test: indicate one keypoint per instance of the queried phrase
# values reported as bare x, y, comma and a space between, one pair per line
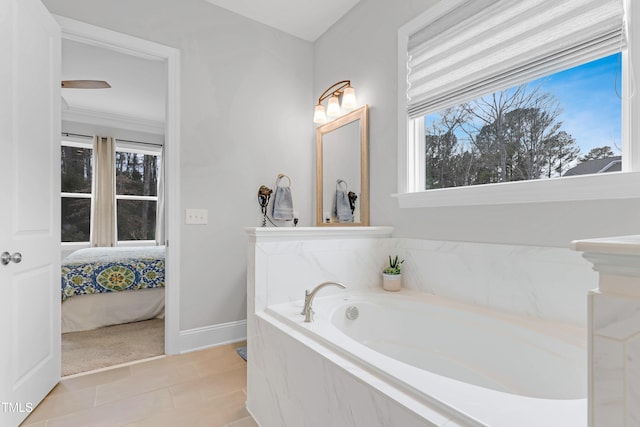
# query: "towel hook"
280, 176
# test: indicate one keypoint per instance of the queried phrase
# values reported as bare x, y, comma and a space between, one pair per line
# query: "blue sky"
589, 96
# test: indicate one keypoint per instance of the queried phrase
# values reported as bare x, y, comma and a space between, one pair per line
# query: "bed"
110, 286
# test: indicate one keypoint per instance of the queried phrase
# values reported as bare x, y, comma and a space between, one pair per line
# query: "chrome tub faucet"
307, 311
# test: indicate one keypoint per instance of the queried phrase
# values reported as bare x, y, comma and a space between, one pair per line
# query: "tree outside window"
532, 131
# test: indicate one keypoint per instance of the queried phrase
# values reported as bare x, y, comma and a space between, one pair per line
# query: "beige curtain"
103, 203
160, 214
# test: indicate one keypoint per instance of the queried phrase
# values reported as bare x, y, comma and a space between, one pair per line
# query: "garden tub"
479, 366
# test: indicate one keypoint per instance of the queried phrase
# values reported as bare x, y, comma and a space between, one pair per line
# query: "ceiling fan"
82, 84
85, 84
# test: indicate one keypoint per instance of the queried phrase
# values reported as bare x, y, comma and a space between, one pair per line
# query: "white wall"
235, 72
362, 47
246, 116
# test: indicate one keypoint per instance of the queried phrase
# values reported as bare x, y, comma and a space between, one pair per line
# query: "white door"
29, 207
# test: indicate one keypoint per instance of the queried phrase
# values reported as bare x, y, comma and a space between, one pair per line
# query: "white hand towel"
342, 207
282, 201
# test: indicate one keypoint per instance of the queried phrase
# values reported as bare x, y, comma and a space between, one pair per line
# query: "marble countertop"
297, 233
621, 245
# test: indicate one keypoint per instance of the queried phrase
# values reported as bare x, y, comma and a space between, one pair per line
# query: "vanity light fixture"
334, 91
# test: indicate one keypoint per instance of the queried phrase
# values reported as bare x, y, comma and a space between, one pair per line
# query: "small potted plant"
392, 275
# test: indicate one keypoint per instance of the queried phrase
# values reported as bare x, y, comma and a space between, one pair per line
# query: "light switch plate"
197, 216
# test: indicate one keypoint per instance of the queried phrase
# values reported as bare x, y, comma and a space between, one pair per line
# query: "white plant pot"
391, 282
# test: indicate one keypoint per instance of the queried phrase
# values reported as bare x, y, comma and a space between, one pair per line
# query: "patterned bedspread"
101, 270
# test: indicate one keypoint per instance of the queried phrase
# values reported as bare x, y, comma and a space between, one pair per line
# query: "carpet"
242, 352
112, 345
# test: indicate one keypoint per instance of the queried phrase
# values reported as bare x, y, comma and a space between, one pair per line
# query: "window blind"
483, 46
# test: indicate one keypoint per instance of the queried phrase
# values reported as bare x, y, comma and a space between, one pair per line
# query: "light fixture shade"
333, 107
349, 98
319, 115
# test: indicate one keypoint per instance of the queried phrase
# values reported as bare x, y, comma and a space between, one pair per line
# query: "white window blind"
482, 46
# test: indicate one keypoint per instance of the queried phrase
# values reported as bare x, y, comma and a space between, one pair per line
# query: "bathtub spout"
307, 311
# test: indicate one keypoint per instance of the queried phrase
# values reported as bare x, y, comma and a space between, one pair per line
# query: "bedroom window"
136, 194
481, 91
77, 169
137, 170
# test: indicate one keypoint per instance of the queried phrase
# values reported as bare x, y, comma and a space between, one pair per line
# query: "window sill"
74, 246
614, 185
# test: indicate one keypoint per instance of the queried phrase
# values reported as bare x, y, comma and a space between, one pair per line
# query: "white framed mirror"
342, 170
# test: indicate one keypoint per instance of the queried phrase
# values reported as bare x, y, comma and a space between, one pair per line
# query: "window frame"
615, 185
122, 146
77, 143
127, 147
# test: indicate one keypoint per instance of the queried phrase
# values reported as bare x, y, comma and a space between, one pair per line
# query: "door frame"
123, 43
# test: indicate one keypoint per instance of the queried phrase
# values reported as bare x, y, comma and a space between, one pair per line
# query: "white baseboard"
211, 336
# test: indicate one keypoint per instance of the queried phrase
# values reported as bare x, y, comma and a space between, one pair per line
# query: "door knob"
6, 257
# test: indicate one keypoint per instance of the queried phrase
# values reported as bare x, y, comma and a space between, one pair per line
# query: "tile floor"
203, 388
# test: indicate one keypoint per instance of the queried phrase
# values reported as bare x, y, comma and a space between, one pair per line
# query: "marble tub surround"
543, 282
298, 382
614, 331
293, 380
281, 265
284, 262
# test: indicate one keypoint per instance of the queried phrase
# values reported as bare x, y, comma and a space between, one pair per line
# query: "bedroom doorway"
91, 37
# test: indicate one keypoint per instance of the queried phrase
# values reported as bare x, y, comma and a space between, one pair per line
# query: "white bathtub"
480, 367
